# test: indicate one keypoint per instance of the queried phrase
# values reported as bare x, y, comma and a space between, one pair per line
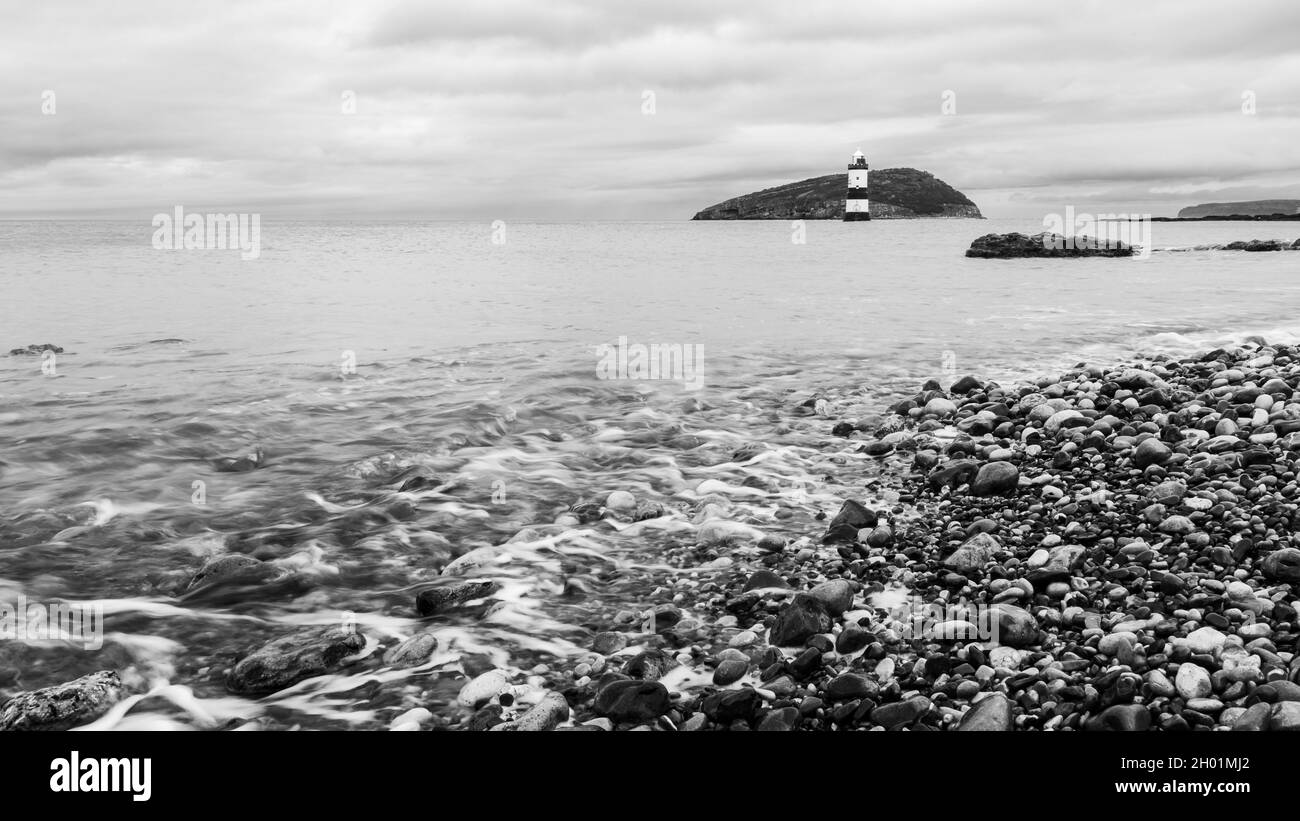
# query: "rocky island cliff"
895, 193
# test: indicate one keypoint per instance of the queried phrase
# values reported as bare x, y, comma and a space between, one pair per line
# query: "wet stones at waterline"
290, 659
632, 700
437, 600
1126, 531
63, 706
412, 652
804, 617
851, 518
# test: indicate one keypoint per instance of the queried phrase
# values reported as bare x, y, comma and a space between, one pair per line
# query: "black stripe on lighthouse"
857, 207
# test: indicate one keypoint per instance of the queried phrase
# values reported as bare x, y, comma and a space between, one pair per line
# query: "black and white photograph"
510, 366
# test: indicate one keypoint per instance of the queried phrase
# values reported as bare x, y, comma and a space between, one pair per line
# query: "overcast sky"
492, 109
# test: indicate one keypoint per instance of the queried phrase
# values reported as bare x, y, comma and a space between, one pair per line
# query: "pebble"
849, 686
1007, 658
483, 688
608, 643
1160, 684
1285, 717
971, 556
624, 701
993, 713
835, 595
412, 652
546, 715
995, 478
743, 639
953, 629
897, 714
1192, 681
729, 671
1205, 640
799, 621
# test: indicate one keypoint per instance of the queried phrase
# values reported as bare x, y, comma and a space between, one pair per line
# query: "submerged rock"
412, 652
62, 706
230, 565
240, 464
293, 658
231, 578
438, 599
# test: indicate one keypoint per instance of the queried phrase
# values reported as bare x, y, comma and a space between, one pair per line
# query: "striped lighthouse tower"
856, 205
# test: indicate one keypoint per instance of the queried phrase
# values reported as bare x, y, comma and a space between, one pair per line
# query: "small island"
895, 193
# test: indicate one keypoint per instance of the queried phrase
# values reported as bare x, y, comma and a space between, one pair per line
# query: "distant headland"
1248, 211
895, 193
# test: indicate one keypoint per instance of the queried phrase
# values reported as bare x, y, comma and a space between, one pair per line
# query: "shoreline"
1130, 529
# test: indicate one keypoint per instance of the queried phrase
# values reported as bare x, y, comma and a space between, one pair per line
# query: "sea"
521, 368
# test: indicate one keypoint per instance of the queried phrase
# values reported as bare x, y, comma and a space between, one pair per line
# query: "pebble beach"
1132, 530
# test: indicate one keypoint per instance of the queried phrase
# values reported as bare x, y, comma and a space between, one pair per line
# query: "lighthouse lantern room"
856, 205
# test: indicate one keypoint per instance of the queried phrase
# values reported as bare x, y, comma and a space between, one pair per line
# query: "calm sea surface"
355, 354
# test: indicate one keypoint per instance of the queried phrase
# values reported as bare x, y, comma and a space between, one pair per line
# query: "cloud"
511, 109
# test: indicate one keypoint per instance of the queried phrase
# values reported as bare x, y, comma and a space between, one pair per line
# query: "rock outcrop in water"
1263, 245
1015, 245
1254, 245
35, 350
895, 193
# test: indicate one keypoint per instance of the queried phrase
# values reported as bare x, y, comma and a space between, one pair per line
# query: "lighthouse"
856, 205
